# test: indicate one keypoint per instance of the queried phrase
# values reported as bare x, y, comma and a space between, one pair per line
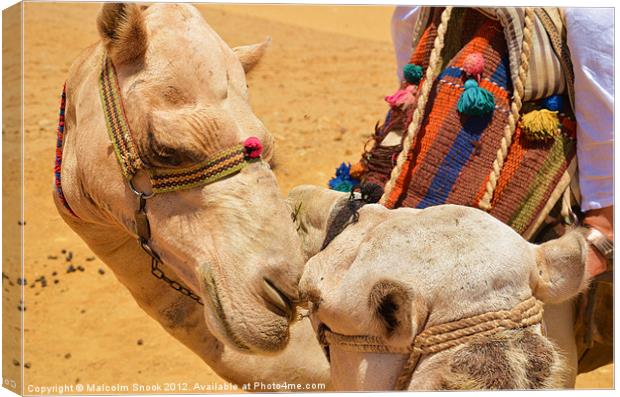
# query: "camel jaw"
259, 327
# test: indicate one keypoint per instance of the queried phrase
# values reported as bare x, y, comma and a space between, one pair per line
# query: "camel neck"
183, 318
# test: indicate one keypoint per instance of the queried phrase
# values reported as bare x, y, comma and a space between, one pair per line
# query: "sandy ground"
319, 90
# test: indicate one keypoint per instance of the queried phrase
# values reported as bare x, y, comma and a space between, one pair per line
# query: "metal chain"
143, 231
158, 273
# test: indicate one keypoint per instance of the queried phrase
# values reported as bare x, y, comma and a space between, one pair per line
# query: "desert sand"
319, 91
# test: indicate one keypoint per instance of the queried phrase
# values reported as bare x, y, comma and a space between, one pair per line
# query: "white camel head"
185, 98
395, 273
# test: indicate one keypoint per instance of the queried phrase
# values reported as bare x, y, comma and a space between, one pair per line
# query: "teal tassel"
412, 73
475, 100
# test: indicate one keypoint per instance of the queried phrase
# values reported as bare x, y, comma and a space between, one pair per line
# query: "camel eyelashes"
160, 154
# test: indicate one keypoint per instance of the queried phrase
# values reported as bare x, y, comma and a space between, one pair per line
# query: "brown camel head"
186, 98
396, 273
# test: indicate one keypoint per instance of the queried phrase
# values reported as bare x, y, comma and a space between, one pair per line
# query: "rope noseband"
438, 337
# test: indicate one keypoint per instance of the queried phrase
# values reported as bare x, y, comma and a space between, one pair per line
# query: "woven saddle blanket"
452, 154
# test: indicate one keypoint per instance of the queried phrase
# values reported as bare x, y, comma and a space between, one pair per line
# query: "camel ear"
249, 55
123, 32
391, 305
560, 272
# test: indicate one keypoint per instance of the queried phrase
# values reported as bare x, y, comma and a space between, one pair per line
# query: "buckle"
601, 243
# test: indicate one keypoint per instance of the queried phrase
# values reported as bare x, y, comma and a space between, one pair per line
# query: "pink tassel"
474, 65
253, 147
402, 98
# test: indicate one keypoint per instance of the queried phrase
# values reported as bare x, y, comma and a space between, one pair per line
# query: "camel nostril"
282, 304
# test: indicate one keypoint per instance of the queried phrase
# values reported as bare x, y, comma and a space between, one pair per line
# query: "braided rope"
439, 337
515, 107
427, 84
444, 336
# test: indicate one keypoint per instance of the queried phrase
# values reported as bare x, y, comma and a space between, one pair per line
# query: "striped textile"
223, 163
60, 136
550, 68
116, 120
452, 154
545, 76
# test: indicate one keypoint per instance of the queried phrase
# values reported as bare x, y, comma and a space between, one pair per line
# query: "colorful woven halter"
218, 166
60, 137
221, 164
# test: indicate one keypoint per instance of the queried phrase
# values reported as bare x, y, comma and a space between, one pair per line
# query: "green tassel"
540, 125
412, 73
475, 100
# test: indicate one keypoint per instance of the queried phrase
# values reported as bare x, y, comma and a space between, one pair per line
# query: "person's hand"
602, 220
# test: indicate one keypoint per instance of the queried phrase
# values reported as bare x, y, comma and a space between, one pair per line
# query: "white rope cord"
509, 130
431, 74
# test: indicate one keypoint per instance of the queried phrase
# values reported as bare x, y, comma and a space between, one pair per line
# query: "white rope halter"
438, 337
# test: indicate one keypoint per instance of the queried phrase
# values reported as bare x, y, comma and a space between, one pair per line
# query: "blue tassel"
343, 182
553, 103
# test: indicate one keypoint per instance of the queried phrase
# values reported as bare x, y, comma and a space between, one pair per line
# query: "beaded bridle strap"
221, 164
438, 337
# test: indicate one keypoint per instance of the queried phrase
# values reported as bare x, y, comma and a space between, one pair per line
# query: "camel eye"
159, 154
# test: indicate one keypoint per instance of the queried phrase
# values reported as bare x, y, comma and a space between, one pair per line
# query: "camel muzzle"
438, 337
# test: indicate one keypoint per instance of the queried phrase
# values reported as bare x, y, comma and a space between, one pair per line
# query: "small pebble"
101, 271
140, 342
90, 259
70, 269
82, 311
52, 257
69, 256
15, 362
21, 308
81, 268
27, 365
68, 355
63, 251
54, 273
56, 281
21, 281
